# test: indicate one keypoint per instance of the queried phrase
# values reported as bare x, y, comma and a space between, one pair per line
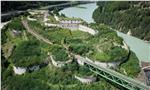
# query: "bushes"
131, 66
84, 71
81, 49
16, 24
114, 54
117, 53
103, 57
59, 53
27, 53
3, 36
26, 82
75, 41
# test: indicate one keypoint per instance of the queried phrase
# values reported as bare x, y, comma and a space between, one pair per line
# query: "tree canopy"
125, 16
27, 53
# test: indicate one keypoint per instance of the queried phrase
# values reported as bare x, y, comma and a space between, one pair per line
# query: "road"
38, 36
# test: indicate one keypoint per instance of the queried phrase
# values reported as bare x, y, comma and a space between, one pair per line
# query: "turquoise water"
84, 13
141, 48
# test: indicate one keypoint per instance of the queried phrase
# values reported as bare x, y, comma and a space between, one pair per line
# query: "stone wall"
81, 61
59, 63
86, 80
31, 19
87, 29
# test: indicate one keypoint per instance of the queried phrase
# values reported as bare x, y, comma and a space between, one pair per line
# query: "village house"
72, 23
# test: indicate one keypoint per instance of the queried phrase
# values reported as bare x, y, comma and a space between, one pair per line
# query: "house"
70, 23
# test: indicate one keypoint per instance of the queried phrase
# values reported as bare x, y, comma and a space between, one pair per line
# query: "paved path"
38, 36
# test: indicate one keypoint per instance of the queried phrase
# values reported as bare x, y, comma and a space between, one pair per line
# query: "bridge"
115, 77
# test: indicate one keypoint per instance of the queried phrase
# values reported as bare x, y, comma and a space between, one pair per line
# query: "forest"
125, 16
24, 5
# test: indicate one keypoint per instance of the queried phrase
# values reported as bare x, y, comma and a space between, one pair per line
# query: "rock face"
125, 46
19, 70
86, 80
129, 33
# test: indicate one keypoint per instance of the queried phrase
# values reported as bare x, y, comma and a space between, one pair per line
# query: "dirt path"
38, 36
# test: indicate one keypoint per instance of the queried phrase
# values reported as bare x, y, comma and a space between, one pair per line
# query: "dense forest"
24, 5
125, 16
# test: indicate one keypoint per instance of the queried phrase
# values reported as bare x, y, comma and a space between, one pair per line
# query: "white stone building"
70, 24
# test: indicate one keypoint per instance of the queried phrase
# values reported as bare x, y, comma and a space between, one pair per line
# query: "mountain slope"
125, 16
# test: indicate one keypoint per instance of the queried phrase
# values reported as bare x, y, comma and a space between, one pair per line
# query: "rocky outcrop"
125, 46
86, 80
19, 70
129, 33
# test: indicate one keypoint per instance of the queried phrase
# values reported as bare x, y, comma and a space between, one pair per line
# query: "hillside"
125, 17
36, 56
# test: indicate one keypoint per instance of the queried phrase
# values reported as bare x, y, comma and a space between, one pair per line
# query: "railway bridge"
115, 77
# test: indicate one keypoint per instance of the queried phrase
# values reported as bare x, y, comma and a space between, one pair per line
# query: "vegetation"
3, 35
104, 46
125, 16
52, 20
56, 34
48, 78
84, 71
16, 24
27, 53
131, 66
59, 53
80, 49
115, 54
17, 5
